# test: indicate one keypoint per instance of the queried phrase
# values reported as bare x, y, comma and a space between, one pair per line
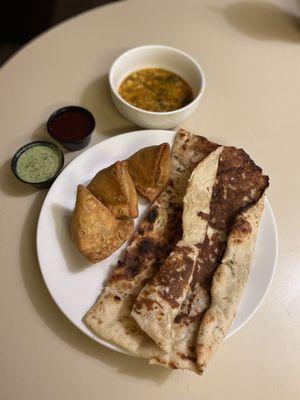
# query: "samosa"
96, 232
149, 169
114, 187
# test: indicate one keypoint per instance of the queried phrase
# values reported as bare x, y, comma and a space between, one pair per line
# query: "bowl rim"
25, 147
149, 46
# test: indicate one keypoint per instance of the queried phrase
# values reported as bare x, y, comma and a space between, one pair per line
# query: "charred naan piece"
95, 230
114, 187
239, 185
150, 170
228, 283
110, 317
160, 300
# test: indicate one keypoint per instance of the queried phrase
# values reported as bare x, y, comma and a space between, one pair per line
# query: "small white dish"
157, 56
75, 284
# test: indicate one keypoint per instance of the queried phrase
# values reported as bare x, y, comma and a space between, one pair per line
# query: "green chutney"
38, 163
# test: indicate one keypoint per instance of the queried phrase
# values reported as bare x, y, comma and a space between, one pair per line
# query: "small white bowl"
160, 57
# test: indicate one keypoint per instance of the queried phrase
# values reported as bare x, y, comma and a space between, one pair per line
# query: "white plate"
74, 283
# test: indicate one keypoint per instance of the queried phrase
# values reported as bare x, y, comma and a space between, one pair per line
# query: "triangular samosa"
150, 170
96, 232
114, 187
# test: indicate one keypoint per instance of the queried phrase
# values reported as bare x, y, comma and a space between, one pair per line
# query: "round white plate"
74, 283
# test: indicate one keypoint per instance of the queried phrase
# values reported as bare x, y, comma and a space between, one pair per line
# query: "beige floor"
250, 54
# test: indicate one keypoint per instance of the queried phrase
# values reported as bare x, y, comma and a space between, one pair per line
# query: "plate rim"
69, 166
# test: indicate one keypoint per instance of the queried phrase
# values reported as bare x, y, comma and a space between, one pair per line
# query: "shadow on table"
58, 323
10, 185
96, 98
41, 133
264, 21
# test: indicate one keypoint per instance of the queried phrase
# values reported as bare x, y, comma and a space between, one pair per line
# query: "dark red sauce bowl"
71, 126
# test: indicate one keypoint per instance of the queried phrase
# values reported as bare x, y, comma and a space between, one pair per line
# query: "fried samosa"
114, 187
96, 232
150, 170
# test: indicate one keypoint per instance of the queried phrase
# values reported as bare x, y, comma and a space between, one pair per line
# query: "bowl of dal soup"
156, 86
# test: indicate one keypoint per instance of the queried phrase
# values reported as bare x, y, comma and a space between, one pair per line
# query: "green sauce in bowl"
38, 163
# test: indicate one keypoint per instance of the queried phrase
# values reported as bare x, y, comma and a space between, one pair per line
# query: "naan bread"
160, 300
150, 170
161, 229
239, 183
228, 283
114, 187
95, 230
197, 198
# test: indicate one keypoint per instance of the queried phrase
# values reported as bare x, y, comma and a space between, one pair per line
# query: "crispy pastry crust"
114, 187
95, 230
150, 170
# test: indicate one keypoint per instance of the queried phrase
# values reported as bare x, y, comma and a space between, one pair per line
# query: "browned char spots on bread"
133, 262
172, 277
196, 148
146, 251
240, 229
187, 357
173, 365
203, 215
202, 145
170, 280
153, 214
146, 247
239, 184
211, 253
148, 303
